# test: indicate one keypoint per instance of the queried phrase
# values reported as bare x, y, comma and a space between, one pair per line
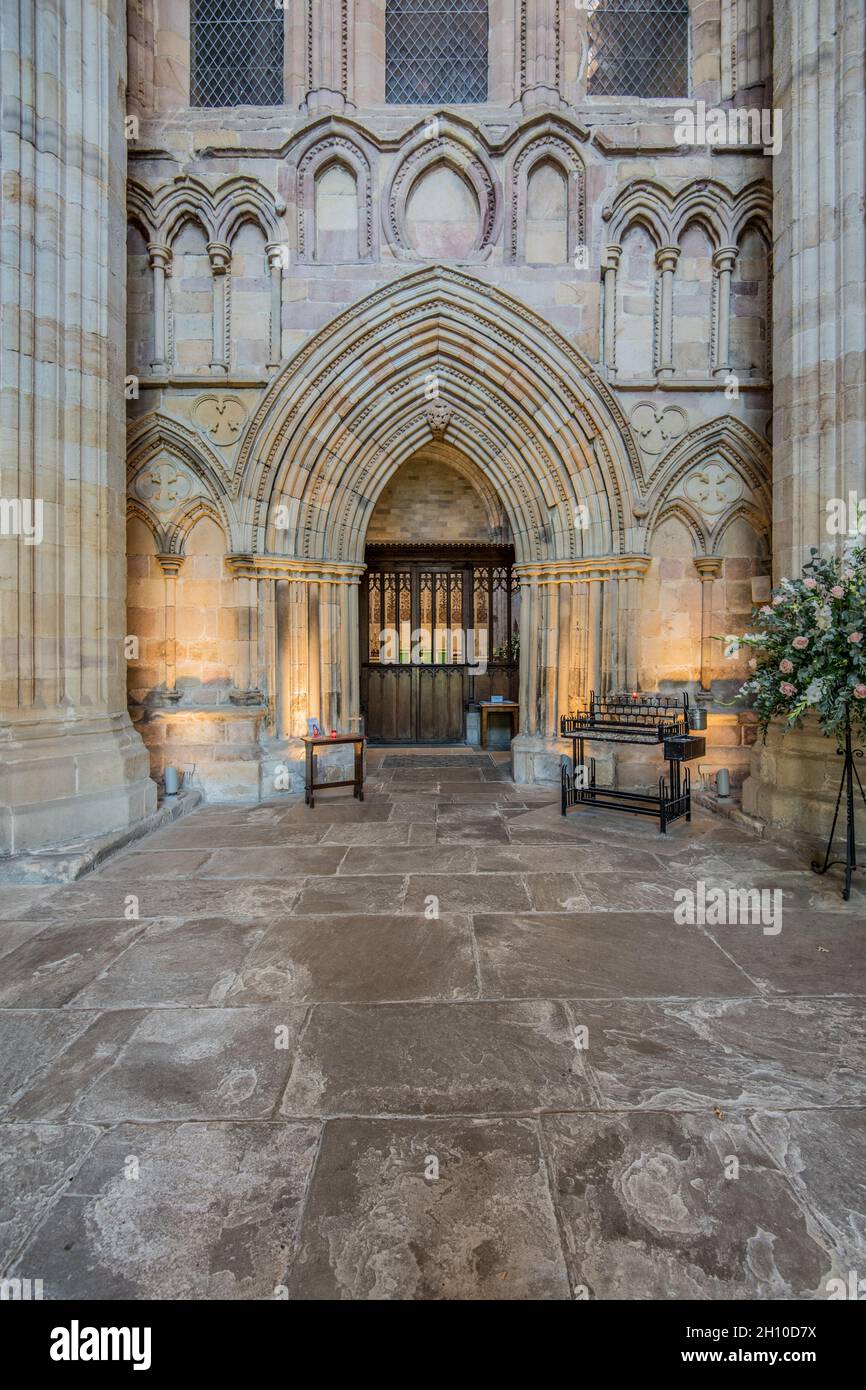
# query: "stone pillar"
724, 261
220, 260
666, 260
628, 575
819, 343
593, 633
611, 266
72, 766
329, 55
160, 264
246, 691
171, 566
276, 255
539, 54
709, 567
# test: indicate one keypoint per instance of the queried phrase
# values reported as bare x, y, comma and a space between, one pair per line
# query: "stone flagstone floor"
288, 1077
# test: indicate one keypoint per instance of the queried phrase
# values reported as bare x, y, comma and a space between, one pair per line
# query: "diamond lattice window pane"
436, 51
638, 48
237, 53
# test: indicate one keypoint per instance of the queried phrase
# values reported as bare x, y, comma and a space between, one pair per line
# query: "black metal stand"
634, 719
849, 776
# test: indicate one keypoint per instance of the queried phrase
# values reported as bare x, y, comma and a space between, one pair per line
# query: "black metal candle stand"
650, 720
850, 775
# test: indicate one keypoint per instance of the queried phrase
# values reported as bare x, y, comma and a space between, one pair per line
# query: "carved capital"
667, 257
709, 567
158, 255
725, 258
220, 256
171, 565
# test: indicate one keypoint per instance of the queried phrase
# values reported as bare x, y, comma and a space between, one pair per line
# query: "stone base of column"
537, 760
67, 782
217, 748
794, 780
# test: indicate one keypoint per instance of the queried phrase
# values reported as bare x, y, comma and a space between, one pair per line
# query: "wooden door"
435, 634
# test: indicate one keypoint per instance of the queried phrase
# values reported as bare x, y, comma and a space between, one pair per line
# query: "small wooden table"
311, 786
509, 707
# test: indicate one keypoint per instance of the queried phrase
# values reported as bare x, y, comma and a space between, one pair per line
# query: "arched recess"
158, 447
334, 150
557, 151
190, 299
448, 149
512, 394
717, 472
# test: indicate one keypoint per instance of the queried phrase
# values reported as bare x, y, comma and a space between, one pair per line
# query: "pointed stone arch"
157, 434
523, 403
728, 442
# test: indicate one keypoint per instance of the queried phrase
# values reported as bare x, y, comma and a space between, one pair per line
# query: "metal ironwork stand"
846, 785
635, 719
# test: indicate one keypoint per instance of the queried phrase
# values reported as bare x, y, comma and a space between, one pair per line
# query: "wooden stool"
311, 786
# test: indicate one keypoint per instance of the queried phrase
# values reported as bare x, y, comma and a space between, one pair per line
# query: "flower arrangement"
810, 652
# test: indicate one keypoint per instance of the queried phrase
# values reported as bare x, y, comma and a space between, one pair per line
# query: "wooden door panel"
431, 597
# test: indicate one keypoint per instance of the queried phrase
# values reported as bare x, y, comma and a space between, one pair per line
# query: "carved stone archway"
519, 400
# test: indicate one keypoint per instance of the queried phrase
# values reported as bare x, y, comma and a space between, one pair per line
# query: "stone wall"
549, 286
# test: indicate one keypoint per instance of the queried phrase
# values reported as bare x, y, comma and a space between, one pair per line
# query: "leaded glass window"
436, 51
638, 48
237, 53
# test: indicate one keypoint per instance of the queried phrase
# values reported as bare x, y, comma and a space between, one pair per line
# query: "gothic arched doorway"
438, 606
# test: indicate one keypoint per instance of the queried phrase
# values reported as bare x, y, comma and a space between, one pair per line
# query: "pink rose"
837, 591
810, 583
786, 666
767, 610
860, 691
778, 598
855, 637
788, 689
801, 643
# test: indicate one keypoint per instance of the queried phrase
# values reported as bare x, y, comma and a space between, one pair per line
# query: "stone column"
171, 566
160, 264
246, 691
666, 260
539, 54
724, 261
709, 567
630, 587
71, 765
329, 55
611, 266
593, 633
266, 669
276, 255
220, 260
819, 343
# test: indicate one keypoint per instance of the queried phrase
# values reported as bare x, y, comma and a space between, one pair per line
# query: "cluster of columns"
71, 765
220, 257
299, 638
819, 345
578, 632
724, 261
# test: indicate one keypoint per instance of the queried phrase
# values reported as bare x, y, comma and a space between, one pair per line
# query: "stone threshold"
70, 862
